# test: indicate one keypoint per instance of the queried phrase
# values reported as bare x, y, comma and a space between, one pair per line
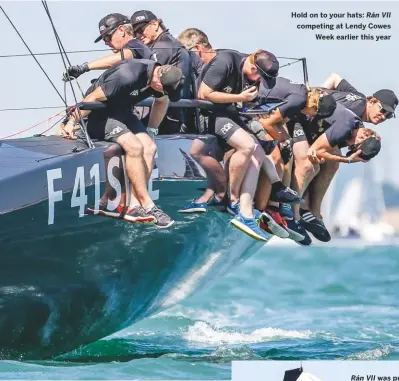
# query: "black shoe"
297, 231
281, 193
162, 219
314, 225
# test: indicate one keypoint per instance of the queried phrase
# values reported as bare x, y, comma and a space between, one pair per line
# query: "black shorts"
299, 134
112, 127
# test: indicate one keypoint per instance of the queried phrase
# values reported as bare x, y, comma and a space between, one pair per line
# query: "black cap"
370, 148
141, 18
172, 80
110, 22
267, 64
388, 99
327, 106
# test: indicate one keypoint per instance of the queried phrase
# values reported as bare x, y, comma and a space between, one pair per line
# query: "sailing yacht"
299, 375
360, 206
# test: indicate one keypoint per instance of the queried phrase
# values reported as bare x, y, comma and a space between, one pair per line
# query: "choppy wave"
284, 305
204, 333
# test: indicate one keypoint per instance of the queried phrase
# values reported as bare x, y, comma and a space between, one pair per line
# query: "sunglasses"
141, 29
107, 38
386, 113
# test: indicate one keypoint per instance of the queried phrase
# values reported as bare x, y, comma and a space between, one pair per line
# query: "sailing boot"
314, 225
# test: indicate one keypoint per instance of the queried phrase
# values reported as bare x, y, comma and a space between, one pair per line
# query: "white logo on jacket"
352, 97
226, 128
116, 130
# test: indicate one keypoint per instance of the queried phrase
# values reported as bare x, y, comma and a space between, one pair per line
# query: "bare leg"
278, 162
216, 177
320, 184
250, 181
135, 168
244, 148
304, 171
150, 150
287, 176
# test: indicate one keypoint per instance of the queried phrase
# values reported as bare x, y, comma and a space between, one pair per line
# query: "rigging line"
82, 122
44, 71
30, 108
54, 53
31, 127
59, 43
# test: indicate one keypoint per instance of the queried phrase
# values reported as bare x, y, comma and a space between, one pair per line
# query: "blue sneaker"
297, 232
285, 210
216, 203
194, 207
233, 209
283, 194
250, 227
257, 214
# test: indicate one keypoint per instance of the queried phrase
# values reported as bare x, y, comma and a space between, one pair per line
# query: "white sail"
305, 376
361, 204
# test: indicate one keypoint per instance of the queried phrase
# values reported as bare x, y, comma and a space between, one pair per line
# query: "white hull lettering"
95, 173
79, 186
53, 195
79, 198
154, 194
114, 183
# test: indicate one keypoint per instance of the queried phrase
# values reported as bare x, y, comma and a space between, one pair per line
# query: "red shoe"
272, 222
103, 211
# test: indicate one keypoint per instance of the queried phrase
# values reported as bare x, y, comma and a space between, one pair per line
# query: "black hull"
67, 280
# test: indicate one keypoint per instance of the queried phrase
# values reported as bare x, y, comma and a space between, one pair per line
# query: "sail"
349, 206
293, 374
192, 170
305, 376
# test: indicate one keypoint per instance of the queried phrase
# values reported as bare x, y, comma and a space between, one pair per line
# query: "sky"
245, 26
324, 370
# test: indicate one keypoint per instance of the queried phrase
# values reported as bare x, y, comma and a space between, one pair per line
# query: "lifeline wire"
44, 71
62, 50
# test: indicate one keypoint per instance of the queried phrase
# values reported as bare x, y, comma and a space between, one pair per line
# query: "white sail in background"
349, 207
360, 204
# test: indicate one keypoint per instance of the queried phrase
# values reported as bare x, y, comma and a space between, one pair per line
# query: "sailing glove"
286, 150
75, 71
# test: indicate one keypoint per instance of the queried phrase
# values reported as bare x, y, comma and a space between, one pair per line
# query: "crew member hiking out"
301, 101
120, 88
375, 109
326, 137
117, 33
232, 77
151, 31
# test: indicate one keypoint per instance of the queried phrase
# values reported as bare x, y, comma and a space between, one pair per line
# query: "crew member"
151, 31
371, 109
232, 77
121, 87
117, 33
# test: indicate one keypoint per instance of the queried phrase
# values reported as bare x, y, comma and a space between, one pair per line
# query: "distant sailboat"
192, 171
360, 207
299, 375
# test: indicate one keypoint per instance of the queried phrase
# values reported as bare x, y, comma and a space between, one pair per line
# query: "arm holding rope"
68, 130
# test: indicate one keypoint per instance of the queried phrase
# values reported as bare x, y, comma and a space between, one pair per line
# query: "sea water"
284, 303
